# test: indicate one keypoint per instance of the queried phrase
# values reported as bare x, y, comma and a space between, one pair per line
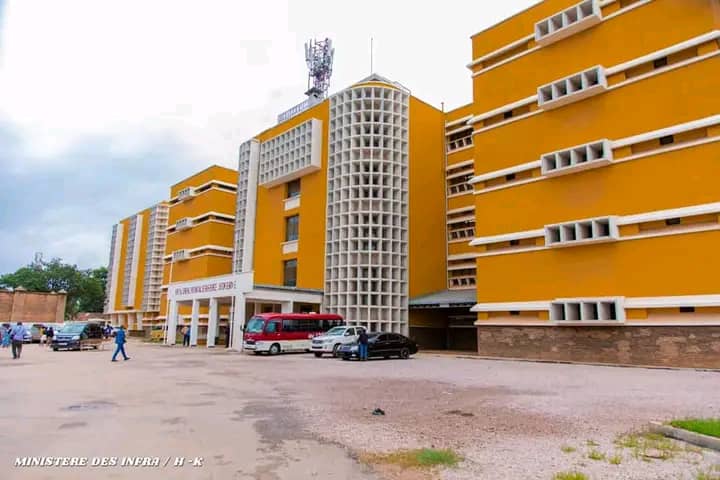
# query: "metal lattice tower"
319, 58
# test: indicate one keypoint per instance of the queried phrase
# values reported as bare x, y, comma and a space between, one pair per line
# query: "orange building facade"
595, 201
568, 212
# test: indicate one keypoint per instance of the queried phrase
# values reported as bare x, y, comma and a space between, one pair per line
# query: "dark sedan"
383, 345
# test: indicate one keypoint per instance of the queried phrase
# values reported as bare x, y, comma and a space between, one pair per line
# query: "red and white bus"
286, 332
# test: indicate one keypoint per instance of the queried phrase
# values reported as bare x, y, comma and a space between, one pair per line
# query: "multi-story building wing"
199, 245
133, 282
595, 128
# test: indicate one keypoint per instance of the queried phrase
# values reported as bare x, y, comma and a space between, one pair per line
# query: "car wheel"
345, 358
55, 349
318, 354
335, 350
274, 349
404, 353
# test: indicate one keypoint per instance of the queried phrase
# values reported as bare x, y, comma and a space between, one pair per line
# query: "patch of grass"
648, 446
570, 476
419, 458
595, 455
707, 476
615, 460
567, 449
592, 443
705, 426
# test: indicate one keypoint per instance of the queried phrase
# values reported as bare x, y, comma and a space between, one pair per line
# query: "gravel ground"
296, 417
511, 419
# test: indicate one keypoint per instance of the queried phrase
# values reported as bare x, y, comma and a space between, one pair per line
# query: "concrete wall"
32, 307
681, 346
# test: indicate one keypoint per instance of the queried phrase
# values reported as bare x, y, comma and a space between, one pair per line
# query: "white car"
331, 340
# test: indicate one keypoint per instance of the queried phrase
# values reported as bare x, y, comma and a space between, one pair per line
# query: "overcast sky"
105, 103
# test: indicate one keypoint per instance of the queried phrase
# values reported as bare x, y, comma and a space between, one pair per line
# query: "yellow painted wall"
427, 199
661, 266
460, 156
670, 180
654, 26
458, 113
666, 99
201, 267
214, 172
516, 27
117, 301
207, 233
220, 201
270, 218
140, 282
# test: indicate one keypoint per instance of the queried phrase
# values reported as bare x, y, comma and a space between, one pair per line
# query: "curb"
570, 362
698, 439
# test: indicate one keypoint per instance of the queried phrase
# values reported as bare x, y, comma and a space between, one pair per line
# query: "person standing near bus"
363, 345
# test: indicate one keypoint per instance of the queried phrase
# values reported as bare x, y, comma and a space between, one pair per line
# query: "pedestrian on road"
120, 342
49, 333
363, 346
4, 336
18, 335
186, 336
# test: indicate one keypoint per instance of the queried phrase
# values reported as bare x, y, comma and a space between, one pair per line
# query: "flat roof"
444, 299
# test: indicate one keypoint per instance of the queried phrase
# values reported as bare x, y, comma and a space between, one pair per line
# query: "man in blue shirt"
120, 342
17, 335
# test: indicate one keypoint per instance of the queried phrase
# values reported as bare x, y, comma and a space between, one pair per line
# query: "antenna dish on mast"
319, 58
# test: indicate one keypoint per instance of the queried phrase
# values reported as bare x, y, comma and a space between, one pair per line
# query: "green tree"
85, 289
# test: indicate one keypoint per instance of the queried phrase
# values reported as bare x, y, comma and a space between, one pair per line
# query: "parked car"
35, 331
381, 344
78, 335
333, 339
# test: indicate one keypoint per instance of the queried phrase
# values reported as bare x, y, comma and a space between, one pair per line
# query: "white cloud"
201, 75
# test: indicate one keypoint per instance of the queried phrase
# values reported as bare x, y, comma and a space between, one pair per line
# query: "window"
514, 243
587, 230
672, 221
687, 309
667, 140
660, 62
595, 154
292, 189
508, 114
510, 177
290, 273
573, 88
587, 310
568, 22
292, 227
272, 327
514, 313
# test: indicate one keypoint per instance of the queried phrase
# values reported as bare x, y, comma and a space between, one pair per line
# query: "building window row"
587, 311
462, 278
459, 140
566, 234
604, 152
461, 230
556, 27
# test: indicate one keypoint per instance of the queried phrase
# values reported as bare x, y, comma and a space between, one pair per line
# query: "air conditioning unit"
185, 194
180, 255
183, 224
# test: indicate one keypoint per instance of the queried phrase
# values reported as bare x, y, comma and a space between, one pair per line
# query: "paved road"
163, 403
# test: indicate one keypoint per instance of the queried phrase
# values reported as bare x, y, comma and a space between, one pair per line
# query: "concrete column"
139, 321
212, 322
172, 321
238, 323
286, 307
194, 320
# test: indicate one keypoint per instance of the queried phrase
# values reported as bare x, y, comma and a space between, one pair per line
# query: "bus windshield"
255, 325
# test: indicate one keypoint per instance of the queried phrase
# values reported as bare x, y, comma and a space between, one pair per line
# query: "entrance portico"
242, 300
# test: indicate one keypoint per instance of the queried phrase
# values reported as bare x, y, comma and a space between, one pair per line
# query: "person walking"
120, 342
363, 346
17, 334
186, 336
49, 333
4, 336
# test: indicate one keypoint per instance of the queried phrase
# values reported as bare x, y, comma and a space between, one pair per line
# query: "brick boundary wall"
681, 346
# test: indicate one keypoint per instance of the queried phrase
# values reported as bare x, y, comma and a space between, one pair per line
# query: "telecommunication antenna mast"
319, 59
